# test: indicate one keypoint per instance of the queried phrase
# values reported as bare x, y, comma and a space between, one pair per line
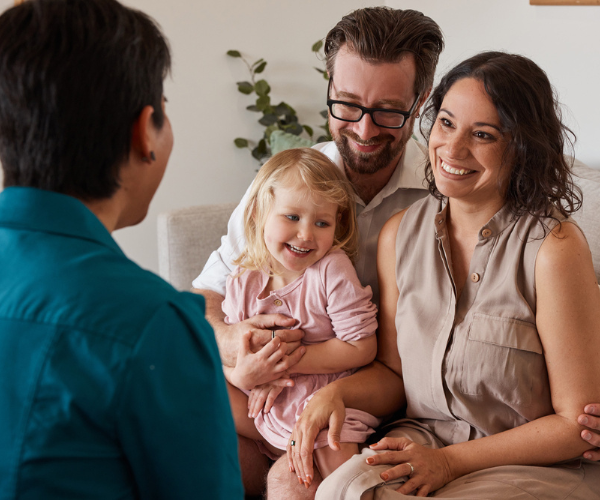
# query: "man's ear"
424, 98
143, 135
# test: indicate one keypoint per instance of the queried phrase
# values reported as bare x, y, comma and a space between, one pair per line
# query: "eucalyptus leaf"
245, 87
233, 53
268, 119
262, 88
281, 109
293, 128
256, 63
252, 107
317, 46
269, 130
263, 102
322, 138
308, 129
322, 71
241, 143
325, 113
260, 68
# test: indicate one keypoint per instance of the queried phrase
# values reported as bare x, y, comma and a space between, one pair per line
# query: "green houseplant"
282, 128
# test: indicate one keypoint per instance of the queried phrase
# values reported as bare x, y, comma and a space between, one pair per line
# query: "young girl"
301, 234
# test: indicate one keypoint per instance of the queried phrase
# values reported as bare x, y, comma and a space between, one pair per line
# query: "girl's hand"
269, 363
263, 396
322, 410
430, 469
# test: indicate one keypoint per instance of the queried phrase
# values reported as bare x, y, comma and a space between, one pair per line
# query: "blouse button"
486, 233
474, 277
277, 302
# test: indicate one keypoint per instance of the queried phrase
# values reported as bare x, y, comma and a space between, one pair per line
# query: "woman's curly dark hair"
529, 112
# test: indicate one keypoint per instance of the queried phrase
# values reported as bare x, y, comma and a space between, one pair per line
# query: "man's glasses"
385, 118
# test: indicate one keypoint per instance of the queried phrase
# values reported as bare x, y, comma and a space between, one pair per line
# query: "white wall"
563, 40
207, 112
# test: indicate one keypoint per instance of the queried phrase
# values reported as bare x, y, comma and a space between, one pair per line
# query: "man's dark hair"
530, 115
74, 76
385, 35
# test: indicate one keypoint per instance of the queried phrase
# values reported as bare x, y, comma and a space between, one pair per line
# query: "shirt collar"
49, 212
409, 173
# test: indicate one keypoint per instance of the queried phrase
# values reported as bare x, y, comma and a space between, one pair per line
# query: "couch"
187, 236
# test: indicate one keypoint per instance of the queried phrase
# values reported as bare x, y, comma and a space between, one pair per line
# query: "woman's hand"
264, 395
325, 408
430, 469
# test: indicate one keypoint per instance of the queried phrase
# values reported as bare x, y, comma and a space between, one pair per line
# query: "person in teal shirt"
110, 380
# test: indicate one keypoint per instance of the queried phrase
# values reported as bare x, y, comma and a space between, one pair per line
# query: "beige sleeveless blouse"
473, 367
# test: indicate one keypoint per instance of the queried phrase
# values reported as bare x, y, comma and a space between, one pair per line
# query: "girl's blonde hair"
300, 167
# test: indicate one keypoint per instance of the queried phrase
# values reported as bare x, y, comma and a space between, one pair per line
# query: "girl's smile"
299, 230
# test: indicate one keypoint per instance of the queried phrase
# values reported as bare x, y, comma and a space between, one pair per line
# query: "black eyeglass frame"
370, 111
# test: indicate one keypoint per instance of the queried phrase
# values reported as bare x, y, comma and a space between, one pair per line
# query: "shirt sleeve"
220, 263
353, 315
174, 422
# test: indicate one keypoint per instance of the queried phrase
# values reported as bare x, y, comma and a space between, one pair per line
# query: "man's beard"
369, 163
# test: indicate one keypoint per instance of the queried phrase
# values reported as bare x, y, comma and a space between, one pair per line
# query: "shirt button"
277, 302
486, 233
474, 277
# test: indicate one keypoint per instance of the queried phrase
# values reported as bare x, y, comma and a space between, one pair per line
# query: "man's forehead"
355, 76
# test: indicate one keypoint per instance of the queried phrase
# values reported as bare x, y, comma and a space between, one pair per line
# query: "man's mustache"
373, 141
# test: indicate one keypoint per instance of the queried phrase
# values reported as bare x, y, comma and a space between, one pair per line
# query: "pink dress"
327, 301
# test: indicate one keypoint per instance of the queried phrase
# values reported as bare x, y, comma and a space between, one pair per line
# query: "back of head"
74, 76
386, 35
300, 168
530, 115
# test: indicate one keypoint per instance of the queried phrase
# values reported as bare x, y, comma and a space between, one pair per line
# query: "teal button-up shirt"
110, 380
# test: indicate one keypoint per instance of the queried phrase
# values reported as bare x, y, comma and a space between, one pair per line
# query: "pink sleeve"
353, 315
233, 305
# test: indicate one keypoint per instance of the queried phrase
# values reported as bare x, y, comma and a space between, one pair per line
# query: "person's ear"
143, 135
424, 98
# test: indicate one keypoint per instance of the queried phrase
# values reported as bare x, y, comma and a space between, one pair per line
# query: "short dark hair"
386, 35
74, 76
529, 112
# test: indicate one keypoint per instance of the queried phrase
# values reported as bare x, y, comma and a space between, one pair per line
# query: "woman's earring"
418, 116
152, 157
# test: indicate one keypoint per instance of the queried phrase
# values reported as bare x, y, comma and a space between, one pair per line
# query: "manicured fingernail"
583, 420
384, 476
370, 460
587, 455
300, 480
291, 468
587, 436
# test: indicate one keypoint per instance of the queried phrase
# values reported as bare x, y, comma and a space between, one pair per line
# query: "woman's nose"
457, 147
